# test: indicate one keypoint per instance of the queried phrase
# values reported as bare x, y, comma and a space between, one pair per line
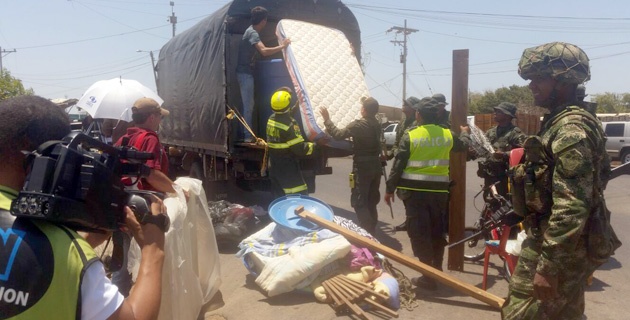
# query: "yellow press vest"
41, 267
429, 154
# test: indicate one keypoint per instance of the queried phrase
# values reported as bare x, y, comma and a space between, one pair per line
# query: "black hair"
371, 106
140, 117
429, 116
258, 15
28, 121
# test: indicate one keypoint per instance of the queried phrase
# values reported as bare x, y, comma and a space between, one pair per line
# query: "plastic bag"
231, 221
513, 247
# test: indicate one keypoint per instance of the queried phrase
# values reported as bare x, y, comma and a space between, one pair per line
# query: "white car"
618, 140
390, 134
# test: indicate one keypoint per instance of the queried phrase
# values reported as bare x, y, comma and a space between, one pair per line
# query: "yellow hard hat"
280, 100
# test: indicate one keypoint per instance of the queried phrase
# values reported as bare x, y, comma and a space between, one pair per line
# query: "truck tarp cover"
192, 66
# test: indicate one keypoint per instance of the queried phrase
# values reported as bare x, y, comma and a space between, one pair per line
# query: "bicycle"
475, 247
494, 215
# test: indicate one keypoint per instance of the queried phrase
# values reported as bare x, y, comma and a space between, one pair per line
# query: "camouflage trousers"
569, 304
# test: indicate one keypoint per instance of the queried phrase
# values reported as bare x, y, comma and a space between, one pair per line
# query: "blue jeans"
246, 83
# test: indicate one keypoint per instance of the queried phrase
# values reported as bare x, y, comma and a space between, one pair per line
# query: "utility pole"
403, 57
1, 52
172, 19
152, 64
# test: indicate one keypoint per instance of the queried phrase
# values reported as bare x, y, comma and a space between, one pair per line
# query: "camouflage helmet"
564, 62
440, 98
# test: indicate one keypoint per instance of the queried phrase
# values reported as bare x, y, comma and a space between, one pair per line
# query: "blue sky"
62, 47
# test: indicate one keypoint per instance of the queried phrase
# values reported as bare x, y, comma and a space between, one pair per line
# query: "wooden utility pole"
403, 56
457, 209
1, 52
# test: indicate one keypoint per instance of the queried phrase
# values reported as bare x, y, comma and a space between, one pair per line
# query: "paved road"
605, 298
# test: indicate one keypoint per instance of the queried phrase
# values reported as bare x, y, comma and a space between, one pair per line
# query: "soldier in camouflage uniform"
504, 137
559, 186
444, 116
408, 121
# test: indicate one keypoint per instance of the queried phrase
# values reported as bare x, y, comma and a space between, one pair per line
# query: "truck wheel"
625, 156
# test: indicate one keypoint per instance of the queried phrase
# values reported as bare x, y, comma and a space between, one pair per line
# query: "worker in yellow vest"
286, 144
420, 174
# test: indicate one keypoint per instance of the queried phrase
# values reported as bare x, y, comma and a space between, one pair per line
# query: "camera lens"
33, 206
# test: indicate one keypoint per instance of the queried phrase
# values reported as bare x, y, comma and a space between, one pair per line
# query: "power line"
100, 38
490, 14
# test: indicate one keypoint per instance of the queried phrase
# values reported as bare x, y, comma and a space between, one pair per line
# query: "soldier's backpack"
602, 240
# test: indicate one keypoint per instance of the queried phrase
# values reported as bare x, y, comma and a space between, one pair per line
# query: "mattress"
324, 72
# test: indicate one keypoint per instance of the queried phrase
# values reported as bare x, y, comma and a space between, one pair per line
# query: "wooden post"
457, 209
413, 263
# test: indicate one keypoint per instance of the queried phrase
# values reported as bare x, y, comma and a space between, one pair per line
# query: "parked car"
390, 134
618, 140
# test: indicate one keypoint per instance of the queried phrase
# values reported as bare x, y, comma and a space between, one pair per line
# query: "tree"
612, 102
481, 103
11, 86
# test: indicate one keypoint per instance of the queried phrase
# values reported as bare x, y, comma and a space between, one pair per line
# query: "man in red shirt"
147, 115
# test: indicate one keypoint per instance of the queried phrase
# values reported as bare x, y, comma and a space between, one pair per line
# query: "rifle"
504, 215
619, 170
383, 161
383, 164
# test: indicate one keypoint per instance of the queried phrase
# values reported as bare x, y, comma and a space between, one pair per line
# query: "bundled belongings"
291, 253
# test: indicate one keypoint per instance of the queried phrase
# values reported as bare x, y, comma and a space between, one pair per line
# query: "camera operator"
48, 271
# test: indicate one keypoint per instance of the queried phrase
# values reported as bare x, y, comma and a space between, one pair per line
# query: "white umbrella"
113, 99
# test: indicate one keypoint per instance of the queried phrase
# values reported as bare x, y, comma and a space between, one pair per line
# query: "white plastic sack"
285, 273
191, 274
513, 247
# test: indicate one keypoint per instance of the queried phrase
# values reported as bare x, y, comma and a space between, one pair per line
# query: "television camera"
76, 182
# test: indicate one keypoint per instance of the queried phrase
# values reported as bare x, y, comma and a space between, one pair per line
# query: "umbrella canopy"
113, 99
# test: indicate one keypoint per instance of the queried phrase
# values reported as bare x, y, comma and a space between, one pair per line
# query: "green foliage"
11, 86
481, 103
612, 102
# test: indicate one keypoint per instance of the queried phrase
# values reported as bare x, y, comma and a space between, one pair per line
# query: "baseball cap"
148, 105
506, 108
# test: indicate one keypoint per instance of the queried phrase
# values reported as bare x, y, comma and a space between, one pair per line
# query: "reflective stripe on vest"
428, 165
297, 189
285, 145
277, 124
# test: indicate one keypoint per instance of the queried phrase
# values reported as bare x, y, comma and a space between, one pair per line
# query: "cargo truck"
196, 77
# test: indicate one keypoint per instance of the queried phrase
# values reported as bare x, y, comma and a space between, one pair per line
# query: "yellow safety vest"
56, 257
429, 154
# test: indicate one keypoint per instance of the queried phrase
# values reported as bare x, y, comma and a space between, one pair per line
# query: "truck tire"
625, 156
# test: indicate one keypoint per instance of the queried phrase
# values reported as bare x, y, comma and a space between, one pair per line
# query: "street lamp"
152, 64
